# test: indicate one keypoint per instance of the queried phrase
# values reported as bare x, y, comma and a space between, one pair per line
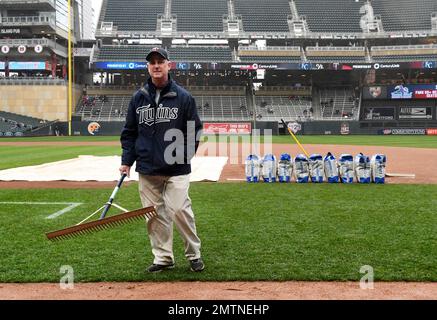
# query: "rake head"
105, 223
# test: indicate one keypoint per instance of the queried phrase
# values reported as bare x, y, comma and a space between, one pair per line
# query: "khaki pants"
170, 197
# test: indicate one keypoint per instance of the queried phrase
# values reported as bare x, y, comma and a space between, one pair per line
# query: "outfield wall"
363, 128
38, 101
96, 128
85, 128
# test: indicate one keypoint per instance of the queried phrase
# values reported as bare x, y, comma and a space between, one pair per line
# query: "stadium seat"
199, 15
133, 15
260, 15
397, 15
331, 15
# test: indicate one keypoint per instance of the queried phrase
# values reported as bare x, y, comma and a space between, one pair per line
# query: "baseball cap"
159, 51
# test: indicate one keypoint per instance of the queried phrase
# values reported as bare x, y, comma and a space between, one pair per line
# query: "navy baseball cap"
159, 51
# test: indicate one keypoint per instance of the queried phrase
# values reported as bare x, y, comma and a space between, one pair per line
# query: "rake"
104, 222
294, 137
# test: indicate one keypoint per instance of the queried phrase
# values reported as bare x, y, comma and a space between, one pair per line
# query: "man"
161, 135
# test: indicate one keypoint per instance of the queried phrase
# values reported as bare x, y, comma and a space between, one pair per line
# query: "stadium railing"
265, 35
335, 51
42, 19
427, 49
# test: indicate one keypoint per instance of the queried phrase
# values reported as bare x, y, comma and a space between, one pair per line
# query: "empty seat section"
275, 108
133, 15
113, 108
398, 15
12, 122
122, 53
199, 15
331, 15
263, 16
201, 54
222, 108
337, 103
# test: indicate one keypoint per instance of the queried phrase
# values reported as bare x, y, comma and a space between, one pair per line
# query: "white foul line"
71, 206
60, 212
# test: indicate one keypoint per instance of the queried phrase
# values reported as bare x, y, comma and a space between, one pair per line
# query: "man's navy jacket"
147, 123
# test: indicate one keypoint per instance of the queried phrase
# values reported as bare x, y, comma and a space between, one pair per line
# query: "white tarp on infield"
92, 168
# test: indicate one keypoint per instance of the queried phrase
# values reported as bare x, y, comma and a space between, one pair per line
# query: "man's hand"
125, 170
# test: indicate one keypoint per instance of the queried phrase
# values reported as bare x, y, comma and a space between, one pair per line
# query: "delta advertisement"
227, 128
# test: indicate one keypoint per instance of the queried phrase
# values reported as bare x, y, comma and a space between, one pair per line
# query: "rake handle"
295, 139
111, 198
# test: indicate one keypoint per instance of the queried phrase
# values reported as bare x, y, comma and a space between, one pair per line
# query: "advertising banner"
345, 129
120, 65
31, 65
184, 65
431, 132
414, 91
419, 91
406, 131
375, 92
415, 113
426, 94
403, 131
374, 113
227, 128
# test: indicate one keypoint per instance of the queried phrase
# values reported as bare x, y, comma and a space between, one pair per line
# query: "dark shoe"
197, 265
159, 267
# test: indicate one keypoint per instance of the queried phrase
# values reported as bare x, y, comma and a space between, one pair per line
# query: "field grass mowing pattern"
248, 232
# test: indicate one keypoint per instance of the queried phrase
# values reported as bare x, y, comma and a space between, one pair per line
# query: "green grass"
248, 232
24, 155
389, 141
18, 156
61, 139
374, 140
371, 140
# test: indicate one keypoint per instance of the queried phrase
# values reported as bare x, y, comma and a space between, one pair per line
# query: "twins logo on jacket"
146, 114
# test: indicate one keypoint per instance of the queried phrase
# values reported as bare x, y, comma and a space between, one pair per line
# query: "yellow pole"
70, 80
295, 139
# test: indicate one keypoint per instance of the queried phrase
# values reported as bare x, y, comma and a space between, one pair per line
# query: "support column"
7, 67
64, 71
54, 62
